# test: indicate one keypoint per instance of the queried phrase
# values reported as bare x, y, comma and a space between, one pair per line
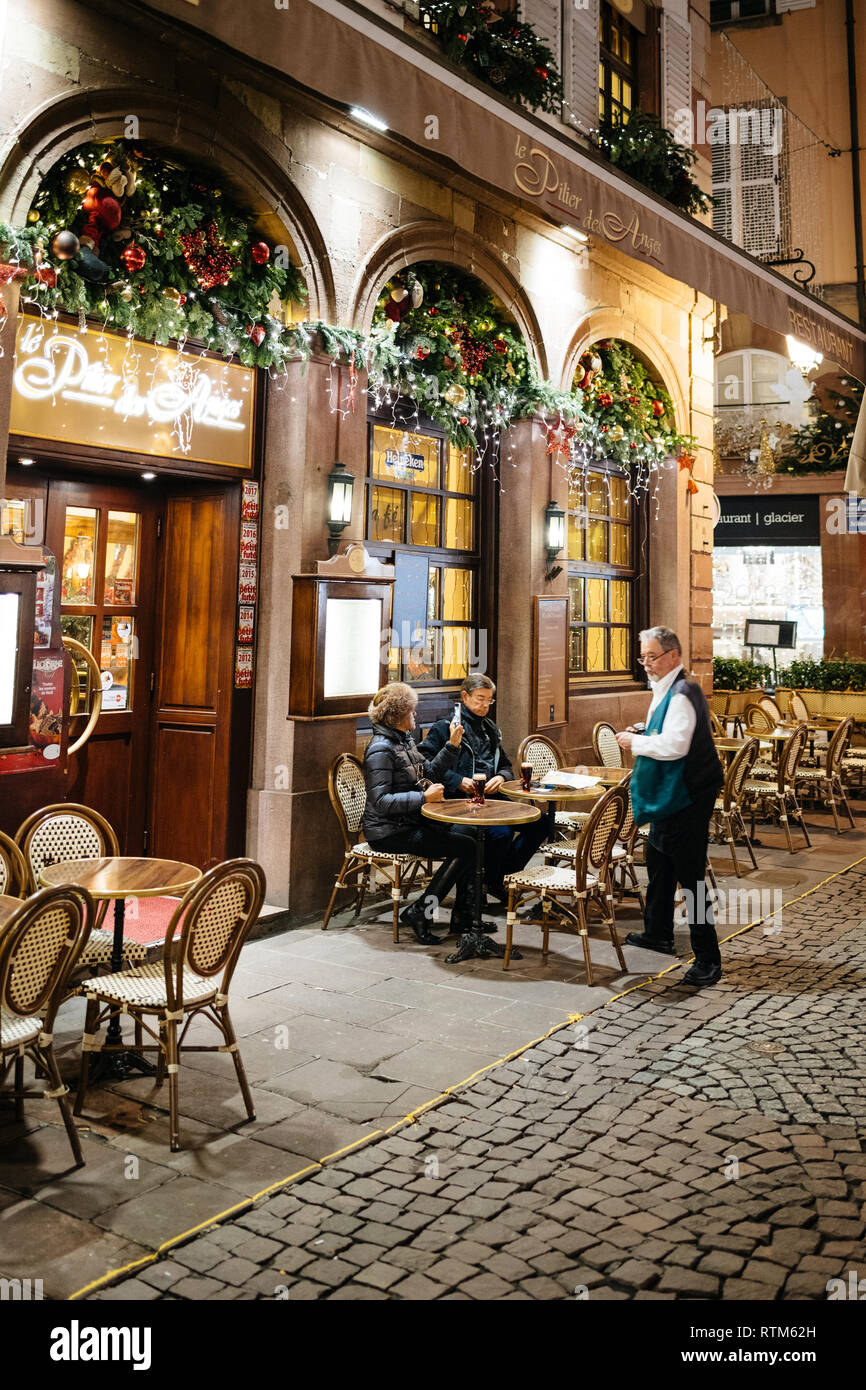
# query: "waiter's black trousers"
676, 852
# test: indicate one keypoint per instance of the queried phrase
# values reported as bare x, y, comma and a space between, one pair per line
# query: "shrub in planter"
732, 674
836, 673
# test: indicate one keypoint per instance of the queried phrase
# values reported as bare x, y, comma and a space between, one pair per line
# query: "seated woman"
482, 751
399, 781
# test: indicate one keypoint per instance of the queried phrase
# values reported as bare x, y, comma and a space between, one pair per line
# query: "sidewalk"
670, 1145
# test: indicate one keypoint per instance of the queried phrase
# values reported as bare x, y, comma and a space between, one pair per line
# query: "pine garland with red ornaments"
497, 48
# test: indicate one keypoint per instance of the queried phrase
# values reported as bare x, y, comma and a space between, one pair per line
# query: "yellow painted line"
412, 1117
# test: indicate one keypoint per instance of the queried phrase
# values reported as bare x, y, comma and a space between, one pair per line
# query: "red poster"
250, 501
247, 584
246, 620
243, 667
46, 716
249, 540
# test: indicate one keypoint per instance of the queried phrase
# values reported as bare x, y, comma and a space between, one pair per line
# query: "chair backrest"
607, 751
759, 720
719, 702
56, 834
14, 874
543, 753
596, 840
799, 708
838, 746
774, 710
348, 792
789, 757
217, 914
740, 766
39, 948
717, 726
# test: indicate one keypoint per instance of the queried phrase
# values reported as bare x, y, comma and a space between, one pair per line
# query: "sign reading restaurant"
768, 521
119, 393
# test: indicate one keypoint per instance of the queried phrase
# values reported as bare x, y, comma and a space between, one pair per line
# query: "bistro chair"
717, 726
348, 795
759, 720
40, 947
718, 702
828, 782
14, 875
782, 797
607, 751
623, 857
59, 833
727, 815
798, 708
215, 917
769, 705
545, 756
574, 890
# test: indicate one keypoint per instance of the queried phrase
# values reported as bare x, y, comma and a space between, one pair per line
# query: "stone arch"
432, 240
610, 323
253, 164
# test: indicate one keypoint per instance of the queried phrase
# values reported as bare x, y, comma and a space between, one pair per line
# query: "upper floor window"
617, 64
747, 184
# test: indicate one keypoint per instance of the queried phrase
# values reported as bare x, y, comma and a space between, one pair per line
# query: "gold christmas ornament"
456, 395
766, 462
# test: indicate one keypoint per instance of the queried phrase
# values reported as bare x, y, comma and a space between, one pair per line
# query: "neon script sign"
101, 389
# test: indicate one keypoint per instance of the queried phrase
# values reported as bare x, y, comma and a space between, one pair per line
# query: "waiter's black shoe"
703, 975
650, 943
413, 916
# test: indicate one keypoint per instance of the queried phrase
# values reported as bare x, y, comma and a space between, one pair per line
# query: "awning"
345, 56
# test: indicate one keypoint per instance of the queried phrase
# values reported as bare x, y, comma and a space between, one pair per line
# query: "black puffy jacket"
395, 774
480, 751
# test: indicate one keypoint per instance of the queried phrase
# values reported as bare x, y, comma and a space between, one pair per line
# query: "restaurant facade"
177, 543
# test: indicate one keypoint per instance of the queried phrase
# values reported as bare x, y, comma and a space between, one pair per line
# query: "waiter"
676, 777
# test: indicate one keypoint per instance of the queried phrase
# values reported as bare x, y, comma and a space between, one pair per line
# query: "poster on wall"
249, 540
246, 622
247, 584
250, 501
243, 668
46, 717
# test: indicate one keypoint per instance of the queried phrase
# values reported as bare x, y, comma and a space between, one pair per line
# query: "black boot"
420, 915
414, 916
463, 916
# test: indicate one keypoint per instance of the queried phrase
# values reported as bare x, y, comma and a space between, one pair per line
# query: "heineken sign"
786, 520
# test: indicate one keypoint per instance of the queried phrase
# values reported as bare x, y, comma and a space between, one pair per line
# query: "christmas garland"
823, 445
498, 48
157, 250
646, 150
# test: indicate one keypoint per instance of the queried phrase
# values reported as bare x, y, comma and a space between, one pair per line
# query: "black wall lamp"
554, 536
341, 487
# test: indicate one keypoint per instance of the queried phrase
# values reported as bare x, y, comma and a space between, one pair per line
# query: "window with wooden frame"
603, 522
422, 514
617, 65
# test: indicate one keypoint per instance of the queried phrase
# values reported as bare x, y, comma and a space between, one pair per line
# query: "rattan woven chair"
192, 979
727, 814
56, 834
545, 756
40, 946
799, 710
717, 726
607, 751
828, 782
575, 890
758, 720
348, 794
772, 708
632, 838
14, 874
718, 702
780, 797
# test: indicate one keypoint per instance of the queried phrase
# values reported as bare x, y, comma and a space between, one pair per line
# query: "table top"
7, 907
729, 744
493, 812
120, 876
514, 790
611, 775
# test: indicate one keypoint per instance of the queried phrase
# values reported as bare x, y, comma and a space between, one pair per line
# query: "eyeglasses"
642, 660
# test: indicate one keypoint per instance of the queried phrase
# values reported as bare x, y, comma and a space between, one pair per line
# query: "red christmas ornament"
207, 257
257, 333
464, 419
605, 398
103, 213
657, 409
501, 347
433, 311
633, 400
464, 38
133, 257
632, 446
422, 353
260, 252
605, 428
542, 73
46, 275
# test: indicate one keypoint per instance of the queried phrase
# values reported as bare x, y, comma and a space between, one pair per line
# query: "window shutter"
723, 192
759, 200
783, 5
580, 62
676, 69
545, 18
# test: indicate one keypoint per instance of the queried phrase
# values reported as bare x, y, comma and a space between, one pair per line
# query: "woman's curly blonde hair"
391, 703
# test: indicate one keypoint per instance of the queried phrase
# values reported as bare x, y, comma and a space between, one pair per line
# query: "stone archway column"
9, 297
291, 828
526, 490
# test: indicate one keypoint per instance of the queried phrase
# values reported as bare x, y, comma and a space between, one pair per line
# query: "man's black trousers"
676, 852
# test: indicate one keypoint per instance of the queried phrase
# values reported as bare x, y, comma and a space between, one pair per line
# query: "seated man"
481, 751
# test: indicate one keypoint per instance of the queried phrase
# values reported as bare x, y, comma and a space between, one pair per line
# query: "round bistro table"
8, 906
553, 796
479, 818
121, 877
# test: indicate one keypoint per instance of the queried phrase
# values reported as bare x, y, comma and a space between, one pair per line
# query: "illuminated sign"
100, 388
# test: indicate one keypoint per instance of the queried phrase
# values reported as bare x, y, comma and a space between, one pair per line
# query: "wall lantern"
554, 536
341, 486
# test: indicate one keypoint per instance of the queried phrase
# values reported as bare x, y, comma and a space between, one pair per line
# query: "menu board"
550, 662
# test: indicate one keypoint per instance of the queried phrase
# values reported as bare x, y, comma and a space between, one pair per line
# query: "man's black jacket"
480, 751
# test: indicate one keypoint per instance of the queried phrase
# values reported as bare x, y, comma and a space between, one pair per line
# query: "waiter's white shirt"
677, 732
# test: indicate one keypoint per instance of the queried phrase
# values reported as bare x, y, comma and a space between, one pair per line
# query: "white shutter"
760, 223
545, 18
580, 64
676, 69
723, 192
783, 5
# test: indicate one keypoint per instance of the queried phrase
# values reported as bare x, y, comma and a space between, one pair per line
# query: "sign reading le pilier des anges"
768, 521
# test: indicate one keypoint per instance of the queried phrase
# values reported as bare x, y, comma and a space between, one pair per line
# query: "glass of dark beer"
526, 771
479, 782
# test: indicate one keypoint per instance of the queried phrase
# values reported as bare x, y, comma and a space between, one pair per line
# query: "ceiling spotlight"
572, 231
148, 477
361, 114
27, 463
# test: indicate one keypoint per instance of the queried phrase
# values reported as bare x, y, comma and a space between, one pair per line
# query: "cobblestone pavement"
671, 1145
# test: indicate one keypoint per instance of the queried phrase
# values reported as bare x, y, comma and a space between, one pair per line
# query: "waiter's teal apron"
658, 789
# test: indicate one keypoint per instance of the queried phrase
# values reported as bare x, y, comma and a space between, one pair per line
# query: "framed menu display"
550, 662
339, 645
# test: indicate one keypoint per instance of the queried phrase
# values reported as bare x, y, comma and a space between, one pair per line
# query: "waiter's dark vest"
659, 789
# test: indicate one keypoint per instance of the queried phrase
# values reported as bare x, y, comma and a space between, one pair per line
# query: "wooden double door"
148, 581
